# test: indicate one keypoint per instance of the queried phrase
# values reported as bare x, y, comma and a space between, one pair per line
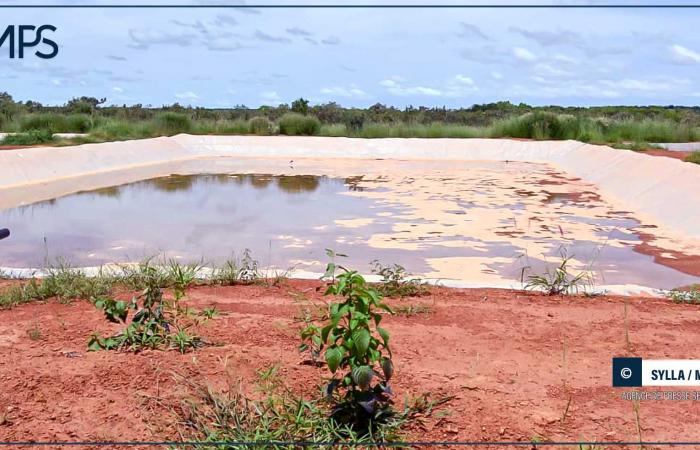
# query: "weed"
115, 310
210, 313
691, 296
412, 310
150, 325
355, 345
394, 282
181, 277
238, 271
557, 282
34, 333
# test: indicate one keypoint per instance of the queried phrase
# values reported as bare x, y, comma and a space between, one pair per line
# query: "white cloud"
682, 55
496, 75
457, 86
189, 95
551, 71
524, 54
270, 98
117, 89
340, 91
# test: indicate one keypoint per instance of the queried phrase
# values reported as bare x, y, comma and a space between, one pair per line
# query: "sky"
222, 57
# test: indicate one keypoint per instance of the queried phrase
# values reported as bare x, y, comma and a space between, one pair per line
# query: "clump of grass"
243, 270
57, 123
293, 124
693, 157
558, 281
62, 282
181, 277
395, 281
412, 310
260, 126
32, 137
169, 123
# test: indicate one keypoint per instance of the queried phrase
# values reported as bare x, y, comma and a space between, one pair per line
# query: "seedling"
395, 283
355, 348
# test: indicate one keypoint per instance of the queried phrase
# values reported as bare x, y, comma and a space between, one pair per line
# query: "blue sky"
357, 57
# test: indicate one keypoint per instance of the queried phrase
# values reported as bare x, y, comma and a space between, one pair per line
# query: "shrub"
293, 124
170, 123
78, 123
260, 125
54, 123
693, 157
536, 125
356, 350
33, 137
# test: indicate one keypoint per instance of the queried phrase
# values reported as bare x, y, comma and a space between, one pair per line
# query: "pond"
480, 222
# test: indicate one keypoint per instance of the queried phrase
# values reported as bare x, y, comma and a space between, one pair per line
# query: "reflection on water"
479, 222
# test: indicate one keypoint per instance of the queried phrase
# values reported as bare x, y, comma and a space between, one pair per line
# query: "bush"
260, 125
293, 124
170, 123
78, 123
33, 137
693, 157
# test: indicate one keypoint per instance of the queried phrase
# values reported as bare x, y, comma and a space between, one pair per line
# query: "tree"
301, 106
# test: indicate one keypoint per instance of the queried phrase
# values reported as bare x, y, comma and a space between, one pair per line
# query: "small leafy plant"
395, 283
557, 282
238, 271
356, 350
691, 296
150, 326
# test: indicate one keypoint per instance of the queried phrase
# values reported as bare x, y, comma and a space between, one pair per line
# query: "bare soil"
512, 360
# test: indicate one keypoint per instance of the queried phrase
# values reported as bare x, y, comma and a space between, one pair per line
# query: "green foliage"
394, 282
115, 310
693, 157
169, 123
558, 281
691, 296
209, 415
294, 124
242, 270
181, 277
150, 326
355, 348
300, 106
56, 123
412, 310
210, 313
260, 125
33, 137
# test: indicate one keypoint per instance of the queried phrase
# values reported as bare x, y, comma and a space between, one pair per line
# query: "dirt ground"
512, 360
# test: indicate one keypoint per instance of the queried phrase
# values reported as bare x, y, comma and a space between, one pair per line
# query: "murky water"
480, 222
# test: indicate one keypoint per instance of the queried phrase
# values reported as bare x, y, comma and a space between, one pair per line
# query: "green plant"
394, 282
115, 310
210, 313
558, 281
242, 270
693, 157
294, 124
691, 296
32, 137
355, 349
181, 277
34, 333
150, 325
170, 123
260, 125
412, 310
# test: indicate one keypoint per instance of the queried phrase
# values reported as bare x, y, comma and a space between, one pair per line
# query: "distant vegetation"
630, 126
